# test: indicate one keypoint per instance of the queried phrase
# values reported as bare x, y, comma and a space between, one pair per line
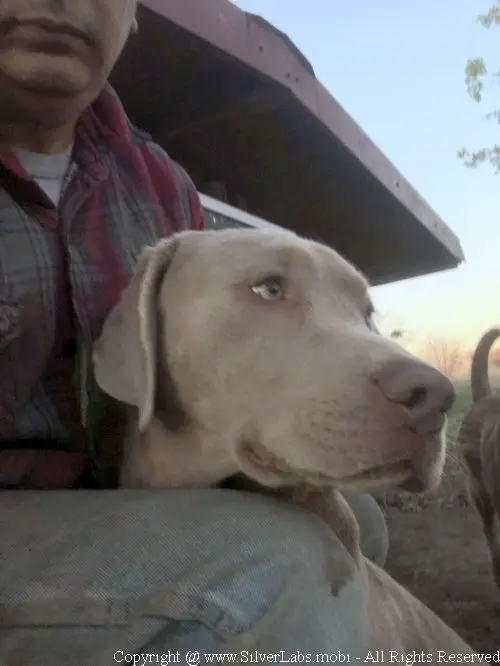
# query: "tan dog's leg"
494, 497
326, 503
398, 621
484, 506
330, 505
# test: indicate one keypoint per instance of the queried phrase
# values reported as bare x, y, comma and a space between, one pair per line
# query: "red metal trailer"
235, 102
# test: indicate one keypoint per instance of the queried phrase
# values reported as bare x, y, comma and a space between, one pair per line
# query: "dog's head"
260, 347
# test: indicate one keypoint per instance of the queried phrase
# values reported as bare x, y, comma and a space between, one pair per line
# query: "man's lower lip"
51, 45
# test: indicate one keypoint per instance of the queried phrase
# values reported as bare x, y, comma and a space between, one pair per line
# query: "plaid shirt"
61, 271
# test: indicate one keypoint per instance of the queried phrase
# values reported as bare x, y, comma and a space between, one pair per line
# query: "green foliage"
477, 75
492, 16
475, 71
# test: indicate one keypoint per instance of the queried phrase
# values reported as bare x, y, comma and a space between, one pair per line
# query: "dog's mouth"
272, 470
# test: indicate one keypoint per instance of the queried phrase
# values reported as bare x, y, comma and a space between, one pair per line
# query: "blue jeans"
95, 577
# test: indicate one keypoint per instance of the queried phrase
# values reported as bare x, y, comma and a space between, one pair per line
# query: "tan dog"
479, 445
255, 352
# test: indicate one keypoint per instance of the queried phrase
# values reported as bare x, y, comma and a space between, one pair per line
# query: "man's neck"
36, 138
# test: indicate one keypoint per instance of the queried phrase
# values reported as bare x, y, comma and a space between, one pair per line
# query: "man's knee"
275, 562
201, 544
219, 559
256, 543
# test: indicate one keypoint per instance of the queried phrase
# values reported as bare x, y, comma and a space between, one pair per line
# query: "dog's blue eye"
269, 290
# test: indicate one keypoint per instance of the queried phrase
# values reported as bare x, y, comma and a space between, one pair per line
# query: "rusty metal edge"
225, 26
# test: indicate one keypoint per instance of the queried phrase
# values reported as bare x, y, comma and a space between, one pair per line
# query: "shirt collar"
103, 128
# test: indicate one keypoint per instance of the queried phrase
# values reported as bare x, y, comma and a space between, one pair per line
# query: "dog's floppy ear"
125, 355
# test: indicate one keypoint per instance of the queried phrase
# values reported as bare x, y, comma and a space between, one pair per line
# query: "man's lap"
117, 567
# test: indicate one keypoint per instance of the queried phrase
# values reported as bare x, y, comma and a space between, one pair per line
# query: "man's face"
62, 49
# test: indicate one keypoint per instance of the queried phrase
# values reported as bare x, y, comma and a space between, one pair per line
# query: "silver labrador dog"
255, 352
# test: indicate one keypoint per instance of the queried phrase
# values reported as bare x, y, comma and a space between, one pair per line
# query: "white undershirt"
49, 171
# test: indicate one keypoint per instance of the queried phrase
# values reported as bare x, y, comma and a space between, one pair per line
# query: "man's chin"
50, 77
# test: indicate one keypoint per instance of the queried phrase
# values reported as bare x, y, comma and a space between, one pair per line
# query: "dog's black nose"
424, 392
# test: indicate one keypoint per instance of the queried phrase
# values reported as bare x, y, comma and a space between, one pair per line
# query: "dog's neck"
162, 458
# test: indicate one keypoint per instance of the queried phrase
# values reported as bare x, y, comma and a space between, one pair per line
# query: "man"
93, 576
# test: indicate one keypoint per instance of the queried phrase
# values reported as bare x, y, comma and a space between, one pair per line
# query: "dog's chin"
426, 480
411, 476
259, 464
428, 468
380, 478
262, 466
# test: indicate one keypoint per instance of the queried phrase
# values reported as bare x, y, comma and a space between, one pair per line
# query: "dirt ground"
438, 552
439, 555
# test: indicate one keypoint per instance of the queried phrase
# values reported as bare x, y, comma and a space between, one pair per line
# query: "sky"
398, 69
